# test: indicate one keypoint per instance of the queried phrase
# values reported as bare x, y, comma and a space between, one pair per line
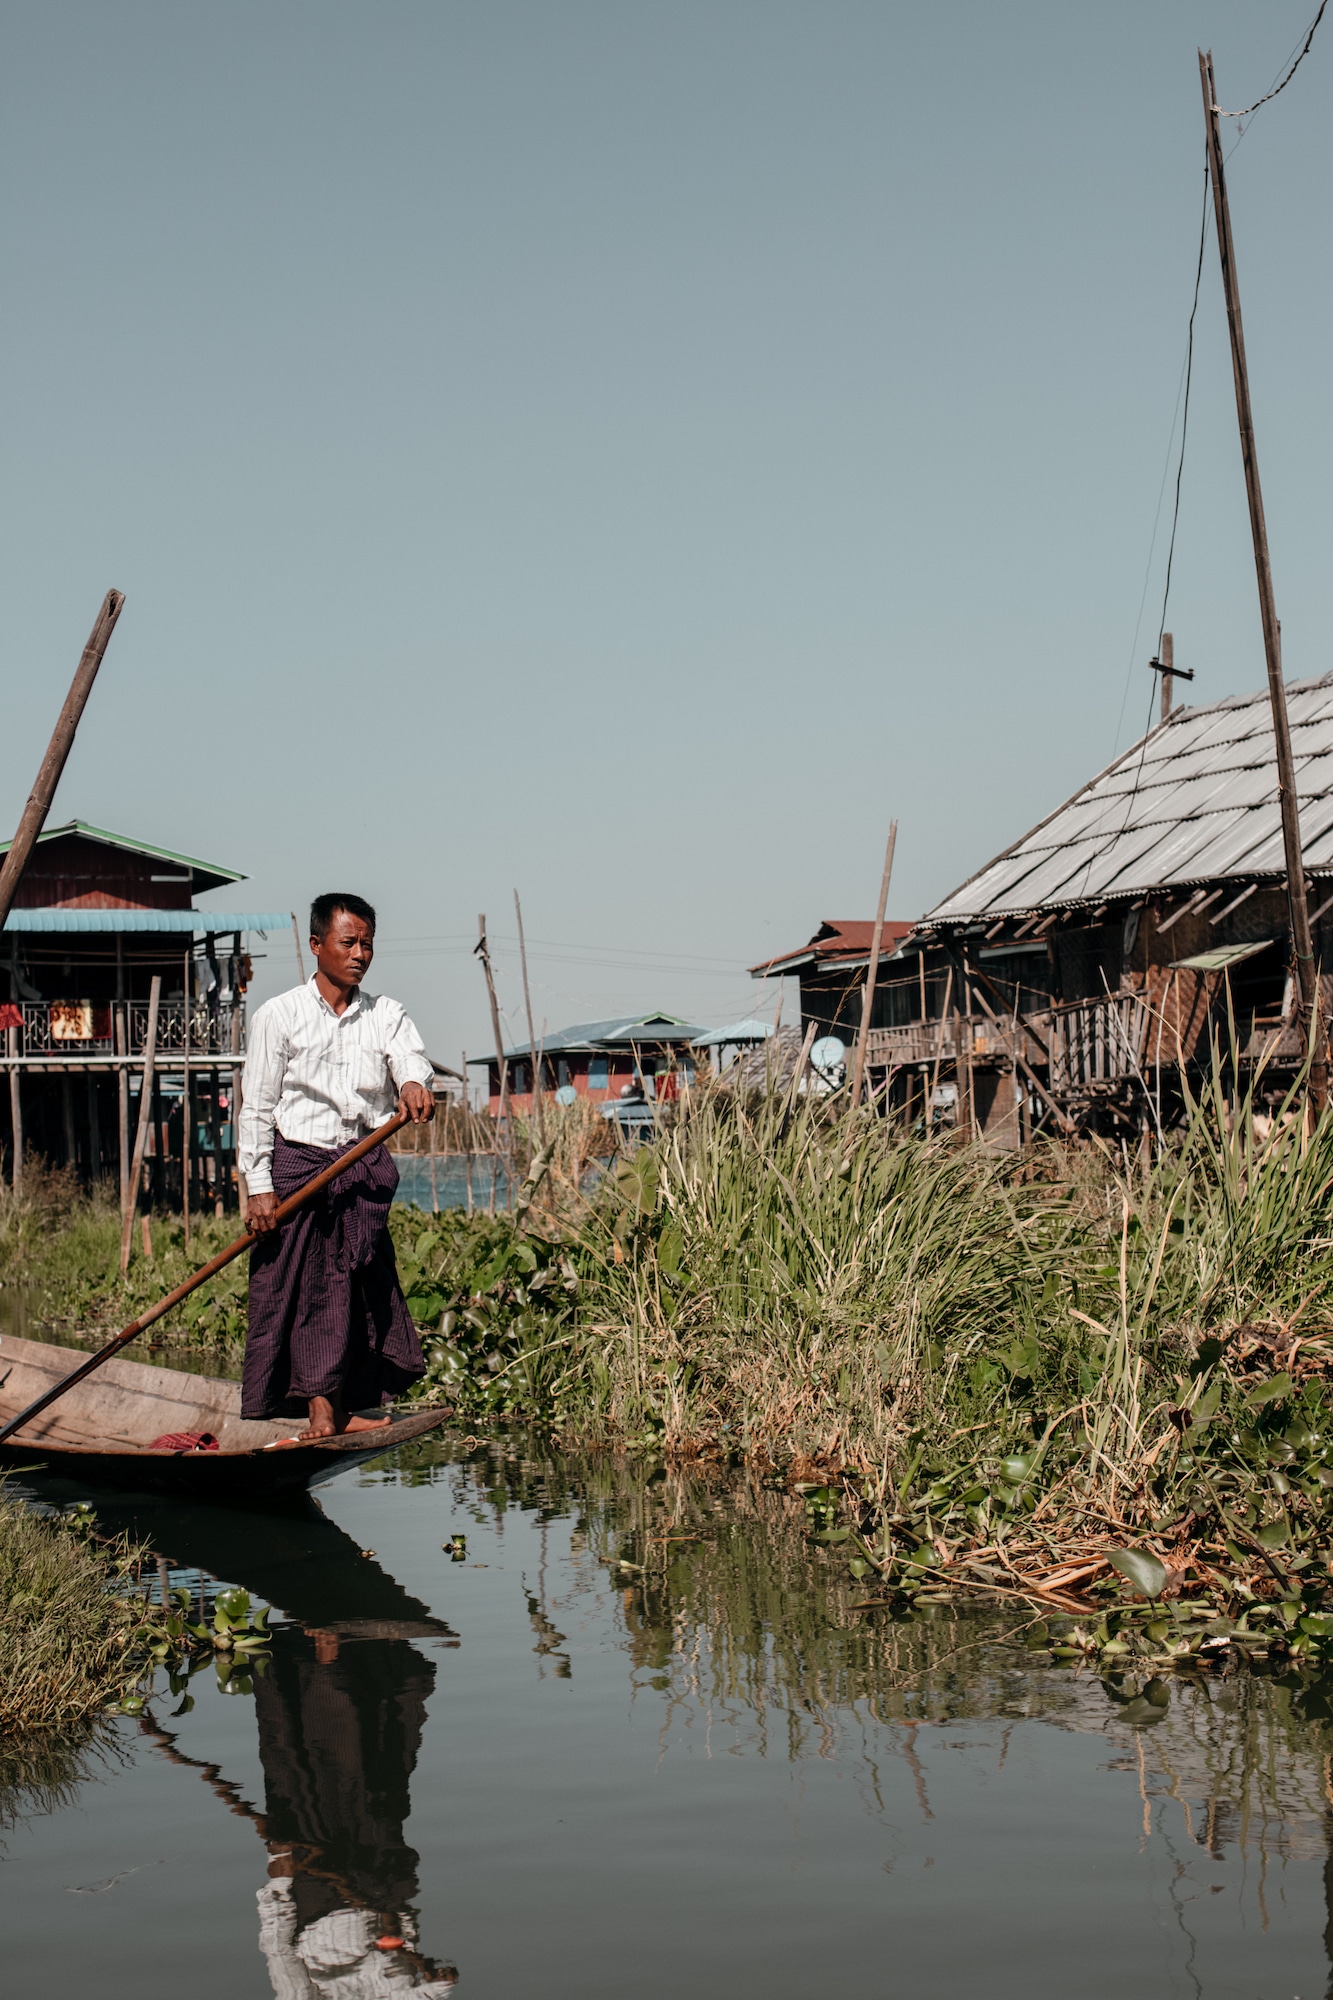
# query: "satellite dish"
828, 1054
566, 1094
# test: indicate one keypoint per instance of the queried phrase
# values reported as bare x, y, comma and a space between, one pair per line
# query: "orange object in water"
389, 1943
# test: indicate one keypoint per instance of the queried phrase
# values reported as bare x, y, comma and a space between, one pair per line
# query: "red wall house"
599, 1060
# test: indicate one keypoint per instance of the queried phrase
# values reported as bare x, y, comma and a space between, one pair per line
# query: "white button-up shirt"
323, 1079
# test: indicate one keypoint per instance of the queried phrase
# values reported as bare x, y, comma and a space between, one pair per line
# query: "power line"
1185, 415
1280, 87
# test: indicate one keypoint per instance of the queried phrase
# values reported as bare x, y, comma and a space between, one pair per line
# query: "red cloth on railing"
185, 1441
10, 1015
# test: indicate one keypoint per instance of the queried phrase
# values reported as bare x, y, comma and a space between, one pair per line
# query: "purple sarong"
327, 1314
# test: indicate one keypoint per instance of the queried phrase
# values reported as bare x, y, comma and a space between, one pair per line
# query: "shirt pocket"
371, 1071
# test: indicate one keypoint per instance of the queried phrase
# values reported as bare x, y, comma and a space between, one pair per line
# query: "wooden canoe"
102, 1431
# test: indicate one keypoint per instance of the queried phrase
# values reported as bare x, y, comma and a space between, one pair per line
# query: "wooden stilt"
94, 1133
16, 1116
122, 1109
215, 1140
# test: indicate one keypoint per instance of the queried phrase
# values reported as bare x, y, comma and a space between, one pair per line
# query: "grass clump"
71, 1641
62, 1245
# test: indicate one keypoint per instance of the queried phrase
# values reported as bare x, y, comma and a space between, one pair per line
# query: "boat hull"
101, 1432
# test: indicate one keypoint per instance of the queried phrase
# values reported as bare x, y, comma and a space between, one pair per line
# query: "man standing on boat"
329, 1330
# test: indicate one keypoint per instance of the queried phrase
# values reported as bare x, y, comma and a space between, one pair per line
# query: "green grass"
71, 1640
62, 1247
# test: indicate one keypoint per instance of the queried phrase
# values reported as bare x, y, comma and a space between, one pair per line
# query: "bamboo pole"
296, 939
145, 1119
538, 1058
482, 950
57, 751
185, 1103
872, 970
1313, 1040
467, 1135
285, 1210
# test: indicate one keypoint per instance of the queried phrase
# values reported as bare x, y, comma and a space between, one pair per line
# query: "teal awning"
148, 920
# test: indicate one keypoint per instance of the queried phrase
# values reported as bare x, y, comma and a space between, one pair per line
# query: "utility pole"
1307, 980
481, 949
1166, 666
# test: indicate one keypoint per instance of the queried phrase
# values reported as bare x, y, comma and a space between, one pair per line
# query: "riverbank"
983, 1373
73, 1641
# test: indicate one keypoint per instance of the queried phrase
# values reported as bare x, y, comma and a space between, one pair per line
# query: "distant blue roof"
620, 1033
749, 1030
147, 920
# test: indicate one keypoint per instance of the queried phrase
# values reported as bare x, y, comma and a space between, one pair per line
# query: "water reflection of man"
340, 1726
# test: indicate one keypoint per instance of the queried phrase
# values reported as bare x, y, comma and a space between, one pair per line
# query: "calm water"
705, 1775
447, 1185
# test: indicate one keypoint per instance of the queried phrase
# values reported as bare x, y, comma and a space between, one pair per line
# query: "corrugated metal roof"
1195, 801
147, 920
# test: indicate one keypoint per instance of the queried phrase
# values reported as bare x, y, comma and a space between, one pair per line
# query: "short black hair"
325, 908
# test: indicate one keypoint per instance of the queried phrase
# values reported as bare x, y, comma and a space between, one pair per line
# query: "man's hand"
260, 1213
415, 1099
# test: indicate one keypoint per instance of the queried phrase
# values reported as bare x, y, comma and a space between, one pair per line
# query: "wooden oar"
284, 1211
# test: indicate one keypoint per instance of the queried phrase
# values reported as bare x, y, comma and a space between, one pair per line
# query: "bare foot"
328, 1420
323, 1420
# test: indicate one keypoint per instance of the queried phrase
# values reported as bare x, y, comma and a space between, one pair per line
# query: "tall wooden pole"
185, 1100
1168, 662
872, 969
145, 1120
1311, 1022
48, 777
538, 1060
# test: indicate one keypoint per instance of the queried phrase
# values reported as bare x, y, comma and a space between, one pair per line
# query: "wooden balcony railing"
1096, 1041
64, 1030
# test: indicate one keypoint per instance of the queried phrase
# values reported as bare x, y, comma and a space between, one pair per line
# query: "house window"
520, 1079
562, 1071
598, 1078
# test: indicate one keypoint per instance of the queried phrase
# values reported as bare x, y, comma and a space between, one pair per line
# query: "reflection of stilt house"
1081, 975
97, 916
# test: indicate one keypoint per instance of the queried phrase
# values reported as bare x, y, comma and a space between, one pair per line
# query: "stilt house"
96, 917
1079, 978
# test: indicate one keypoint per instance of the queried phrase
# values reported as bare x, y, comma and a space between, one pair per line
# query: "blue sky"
633, 452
